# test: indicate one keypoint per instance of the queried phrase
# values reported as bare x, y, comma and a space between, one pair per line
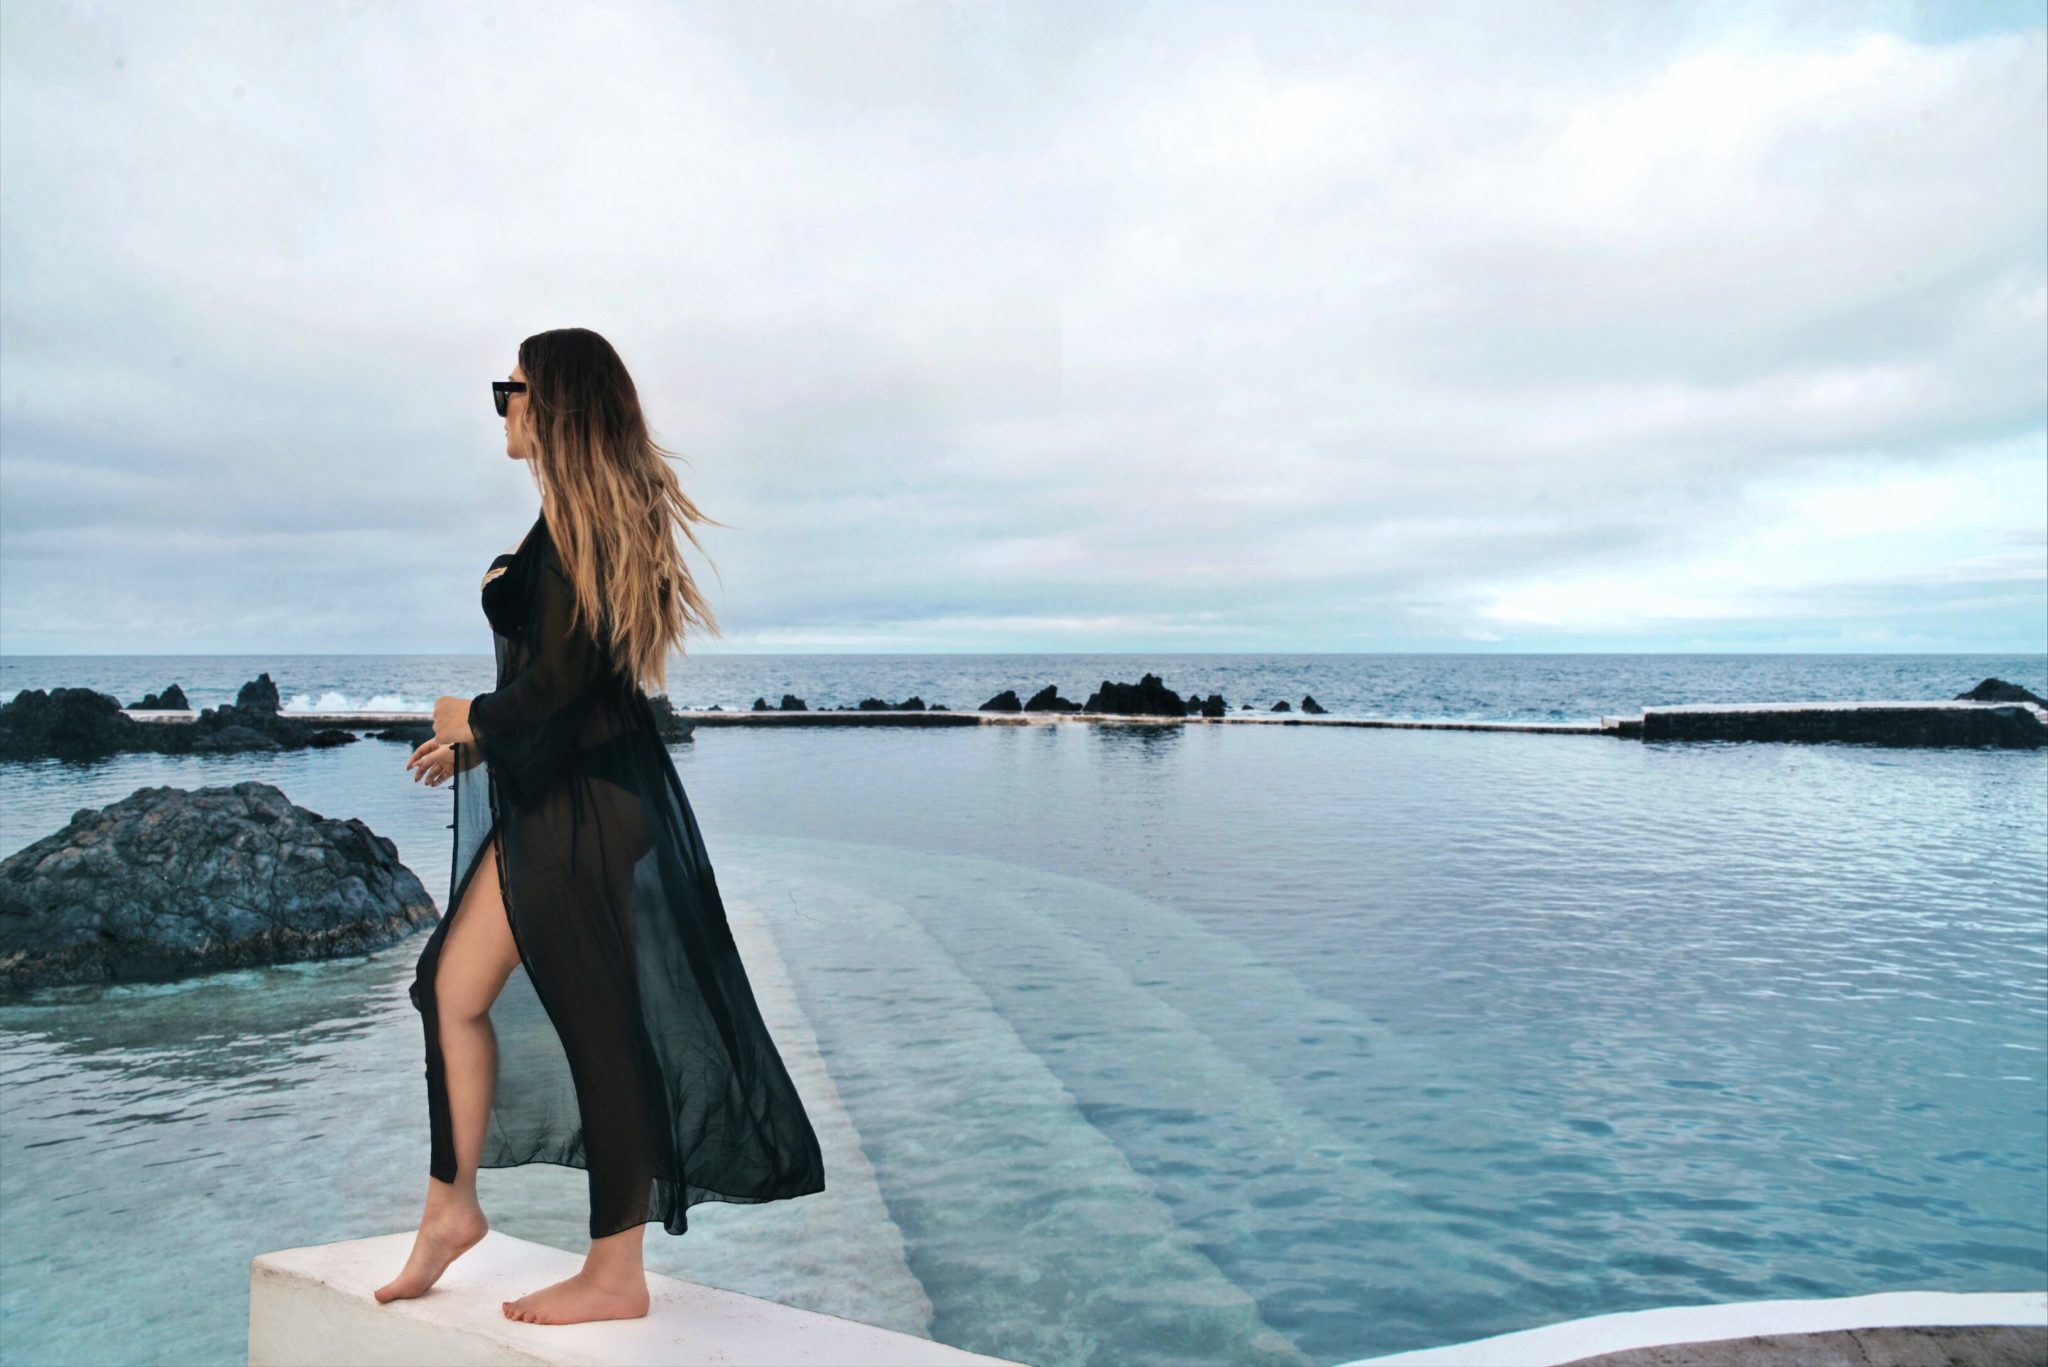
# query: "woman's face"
515, 419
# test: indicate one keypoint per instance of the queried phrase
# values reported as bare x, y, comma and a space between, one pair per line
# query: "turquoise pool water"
1203, 1045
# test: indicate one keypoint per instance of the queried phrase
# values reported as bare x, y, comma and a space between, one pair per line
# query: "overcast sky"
1257, 326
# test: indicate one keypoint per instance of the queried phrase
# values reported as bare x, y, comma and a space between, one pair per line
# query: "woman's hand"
451, 721
433, 763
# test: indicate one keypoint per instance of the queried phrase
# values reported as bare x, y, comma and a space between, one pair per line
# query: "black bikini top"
504, 584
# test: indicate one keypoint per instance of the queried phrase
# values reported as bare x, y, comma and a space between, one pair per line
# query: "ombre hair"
612, 502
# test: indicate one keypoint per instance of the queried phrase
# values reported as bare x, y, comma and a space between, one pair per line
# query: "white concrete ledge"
1554, 1344
314, 1305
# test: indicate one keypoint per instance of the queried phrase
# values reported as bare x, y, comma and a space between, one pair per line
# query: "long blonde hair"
612, 502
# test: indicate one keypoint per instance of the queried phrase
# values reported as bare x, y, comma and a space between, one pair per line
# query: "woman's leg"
466, 963
617, 1095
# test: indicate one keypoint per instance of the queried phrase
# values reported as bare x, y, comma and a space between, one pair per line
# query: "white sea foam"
334, 700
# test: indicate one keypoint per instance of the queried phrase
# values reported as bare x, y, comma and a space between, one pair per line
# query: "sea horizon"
1461, 685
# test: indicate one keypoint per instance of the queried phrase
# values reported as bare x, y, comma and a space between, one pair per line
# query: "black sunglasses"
502, 392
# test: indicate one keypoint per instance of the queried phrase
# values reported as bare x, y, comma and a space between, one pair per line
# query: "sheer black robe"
630, 1044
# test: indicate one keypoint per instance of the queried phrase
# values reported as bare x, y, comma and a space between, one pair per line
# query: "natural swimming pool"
1162, 1045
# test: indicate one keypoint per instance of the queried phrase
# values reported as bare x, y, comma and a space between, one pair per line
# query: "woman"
631, 1046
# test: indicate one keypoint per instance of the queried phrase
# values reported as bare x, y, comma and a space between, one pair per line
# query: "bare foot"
447, 1230
582, 1297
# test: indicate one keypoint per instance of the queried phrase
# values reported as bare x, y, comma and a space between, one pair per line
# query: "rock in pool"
168, 882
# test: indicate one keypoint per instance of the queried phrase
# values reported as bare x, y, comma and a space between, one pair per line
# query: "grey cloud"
1043, 315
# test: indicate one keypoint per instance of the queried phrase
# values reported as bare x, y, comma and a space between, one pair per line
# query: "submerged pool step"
1010, 1198
1239, 1096
1247, 1099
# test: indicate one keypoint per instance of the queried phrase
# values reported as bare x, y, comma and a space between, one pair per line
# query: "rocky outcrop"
670, 726
258, 695
82, 724
232, 738
1048, 699
1148, 697
1998, 690
1005, 701
172, 699
168, 882
70, 724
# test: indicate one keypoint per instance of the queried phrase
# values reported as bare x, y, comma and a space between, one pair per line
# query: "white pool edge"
313, 1305
1570, 1339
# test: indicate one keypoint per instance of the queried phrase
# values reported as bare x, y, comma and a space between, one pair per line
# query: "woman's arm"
564, 661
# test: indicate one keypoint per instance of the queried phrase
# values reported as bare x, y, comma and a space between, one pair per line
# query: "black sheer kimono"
630, 1045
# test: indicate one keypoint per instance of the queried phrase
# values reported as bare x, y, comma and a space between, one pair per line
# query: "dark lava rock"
909, 704
172, 699
790, 703
70, 723
1998, 690
81, 724
254, 711
1148, 697
1212, 706
1280, 706
1005, 701
167, 882
670, 726
258, 695
232, 739
1048, 699
1309, 704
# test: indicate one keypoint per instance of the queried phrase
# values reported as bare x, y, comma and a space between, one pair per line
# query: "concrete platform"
1889, 1329
314, 1305
778, 718
1904, 722
2014, 725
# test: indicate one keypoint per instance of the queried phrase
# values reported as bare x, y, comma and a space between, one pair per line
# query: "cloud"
1860, 535
1031, 328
